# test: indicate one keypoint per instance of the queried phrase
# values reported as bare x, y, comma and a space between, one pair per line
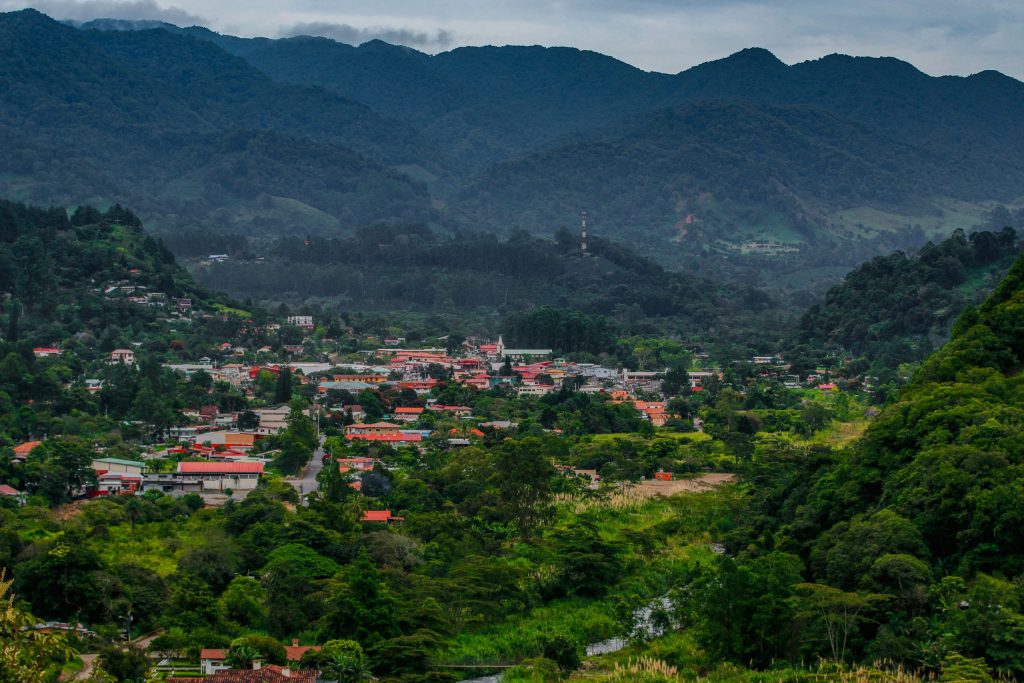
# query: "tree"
676, 382
128, 665
360, 603
60, 580
563, 652
242, 656
248, 421
740, 608
838, 613
243, 601
587, 563
522, 477
292, 456
283, 387
60, 468
245, 650
12, 321
340, 660
300, 426
25, 655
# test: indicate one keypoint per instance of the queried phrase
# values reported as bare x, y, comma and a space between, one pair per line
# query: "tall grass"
579, 621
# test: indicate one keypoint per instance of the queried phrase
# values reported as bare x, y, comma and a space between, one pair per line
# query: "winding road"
307, 483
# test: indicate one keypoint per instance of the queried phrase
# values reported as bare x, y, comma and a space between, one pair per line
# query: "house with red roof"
384, 516
398, 437
481, 382
212, 660
238, 475
46, 351
11, 492
270, 673
407, 414
419, 386
357, 464
295, 651
458, 411
22, 450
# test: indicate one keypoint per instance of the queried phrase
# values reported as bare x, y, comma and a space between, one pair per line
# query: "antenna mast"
583, 232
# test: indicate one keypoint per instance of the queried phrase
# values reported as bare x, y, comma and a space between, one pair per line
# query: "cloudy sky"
938, 36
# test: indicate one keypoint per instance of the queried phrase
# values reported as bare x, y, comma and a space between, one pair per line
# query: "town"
216, 451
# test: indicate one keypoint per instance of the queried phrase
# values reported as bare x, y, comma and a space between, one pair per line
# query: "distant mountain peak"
110, 24
754, 56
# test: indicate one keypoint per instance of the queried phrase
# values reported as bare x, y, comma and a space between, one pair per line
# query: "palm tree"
344, 668
241, 657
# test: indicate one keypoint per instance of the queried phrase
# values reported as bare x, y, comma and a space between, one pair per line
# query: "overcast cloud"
346, 33
938, 36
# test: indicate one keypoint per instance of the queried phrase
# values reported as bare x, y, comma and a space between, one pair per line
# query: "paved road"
89, 660
306, 483
87, 664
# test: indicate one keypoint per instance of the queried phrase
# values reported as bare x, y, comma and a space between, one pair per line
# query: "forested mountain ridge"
917, 525
722, 164
412, 268
896, 309
741, 168
192, 135
525, 95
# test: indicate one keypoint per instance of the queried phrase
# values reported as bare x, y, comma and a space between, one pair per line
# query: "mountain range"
744, 161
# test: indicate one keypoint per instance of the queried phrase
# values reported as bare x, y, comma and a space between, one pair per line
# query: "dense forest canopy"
411, 267
916, 525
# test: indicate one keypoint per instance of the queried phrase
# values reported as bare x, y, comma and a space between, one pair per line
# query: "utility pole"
128, 632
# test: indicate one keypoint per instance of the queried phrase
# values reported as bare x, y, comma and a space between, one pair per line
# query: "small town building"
372, 428
384, 516
122, 356
22, 450
118, 466
218, 476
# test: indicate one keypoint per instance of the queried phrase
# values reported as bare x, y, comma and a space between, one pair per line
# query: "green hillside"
411, 268
734, 167
895, 309
743, 169
925, 508
68, 281
190, 135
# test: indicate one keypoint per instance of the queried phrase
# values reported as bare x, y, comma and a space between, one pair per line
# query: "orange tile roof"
220, 467
384, 437
375, 425
379, 516
26, 448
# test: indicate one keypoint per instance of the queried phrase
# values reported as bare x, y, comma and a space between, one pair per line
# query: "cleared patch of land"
703, 482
